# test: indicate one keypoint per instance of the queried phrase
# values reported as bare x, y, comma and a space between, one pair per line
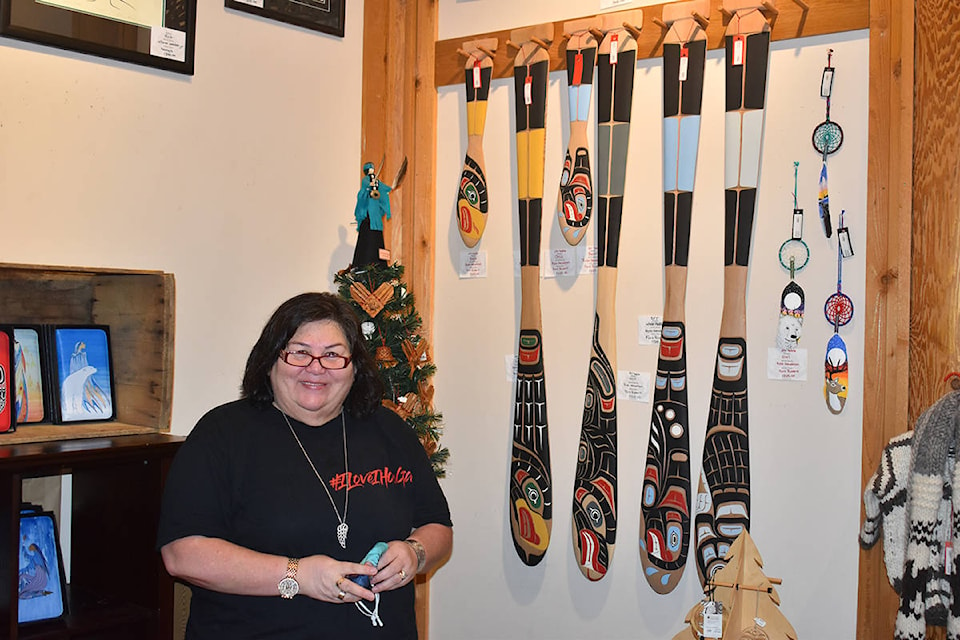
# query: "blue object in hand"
373, 559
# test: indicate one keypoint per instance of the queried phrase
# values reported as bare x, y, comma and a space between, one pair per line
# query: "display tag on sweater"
948, 558
476, 74
684, 62
614, 40
739, 47
528, 90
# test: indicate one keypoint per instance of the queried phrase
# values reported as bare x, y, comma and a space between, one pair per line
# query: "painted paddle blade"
835, 374
472, 202
531, 501
823, 201
665, 500
594, 521
723, 493
575, 201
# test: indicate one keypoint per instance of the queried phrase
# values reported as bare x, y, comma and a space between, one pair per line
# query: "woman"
274, 499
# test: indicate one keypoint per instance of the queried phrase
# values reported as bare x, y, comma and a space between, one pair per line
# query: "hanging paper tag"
528, 91
476, 74
846, 246
712, 620
684, 60
826, 82
739, 47
797, 224
614, 39
948, 558
578, 69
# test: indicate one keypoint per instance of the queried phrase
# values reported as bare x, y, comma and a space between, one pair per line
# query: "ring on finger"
341, 595
403, 574
339, 580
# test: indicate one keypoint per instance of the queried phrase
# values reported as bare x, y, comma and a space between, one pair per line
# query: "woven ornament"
429, 444
384, 357
425, 392
405, 406
373, 303
418, 355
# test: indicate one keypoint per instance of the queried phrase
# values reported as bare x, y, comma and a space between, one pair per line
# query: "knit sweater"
929, 579
885, 502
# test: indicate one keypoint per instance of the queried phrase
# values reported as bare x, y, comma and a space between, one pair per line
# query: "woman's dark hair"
367, 390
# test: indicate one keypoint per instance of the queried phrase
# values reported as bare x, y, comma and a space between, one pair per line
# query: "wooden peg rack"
793, 19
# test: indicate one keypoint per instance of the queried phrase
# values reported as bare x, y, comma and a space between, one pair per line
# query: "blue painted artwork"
39, 585
83, 367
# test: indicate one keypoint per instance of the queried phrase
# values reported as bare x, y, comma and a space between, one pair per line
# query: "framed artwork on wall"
82, 369
319, 15
154, 33
40, 579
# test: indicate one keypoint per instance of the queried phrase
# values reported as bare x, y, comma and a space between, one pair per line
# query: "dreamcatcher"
827, 138
838, 309
794, 256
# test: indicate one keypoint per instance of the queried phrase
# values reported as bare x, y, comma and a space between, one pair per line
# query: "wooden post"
887, 333
399, 118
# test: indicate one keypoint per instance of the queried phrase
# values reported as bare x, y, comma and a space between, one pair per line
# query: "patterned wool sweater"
921, 526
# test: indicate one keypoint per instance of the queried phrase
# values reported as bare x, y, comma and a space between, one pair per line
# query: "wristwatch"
289, 586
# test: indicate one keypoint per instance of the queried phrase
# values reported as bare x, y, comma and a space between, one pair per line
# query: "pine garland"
391, 326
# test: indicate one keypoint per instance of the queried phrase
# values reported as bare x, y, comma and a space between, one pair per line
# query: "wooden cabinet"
119, 589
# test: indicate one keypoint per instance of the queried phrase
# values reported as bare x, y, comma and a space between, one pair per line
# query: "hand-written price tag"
528, 90
684, 61
739, 47
476, 74
614, 39
797, 224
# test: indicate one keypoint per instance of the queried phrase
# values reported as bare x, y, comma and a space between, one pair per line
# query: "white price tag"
739, 48
476, 74
614, 45
684, 61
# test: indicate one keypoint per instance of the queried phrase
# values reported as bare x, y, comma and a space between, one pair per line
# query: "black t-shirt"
241, 476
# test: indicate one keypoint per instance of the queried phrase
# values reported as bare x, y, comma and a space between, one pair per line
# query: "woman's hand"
398, 566
323, 578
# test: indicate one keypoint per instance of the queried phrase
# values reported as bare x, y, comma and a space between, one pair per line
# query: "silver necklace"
342, 528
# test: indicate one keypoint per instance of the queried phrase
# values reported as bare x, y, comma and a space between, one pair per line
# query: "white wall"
805, 462
240, 180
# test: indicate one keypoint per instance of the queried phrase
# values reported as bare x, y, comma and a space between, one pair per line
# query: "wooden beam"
887, 305
399, 119
791, 21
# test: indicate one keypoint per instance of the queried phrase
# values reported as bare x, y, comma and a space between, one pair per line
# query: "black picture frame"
106, 31
42, 593
81, 372
319, 15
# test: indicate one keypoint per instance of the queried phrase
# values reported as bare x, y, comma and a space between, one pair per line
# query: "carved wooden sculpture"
723, 494
575, 202
665, 501
595, 485
531, 506
472, 192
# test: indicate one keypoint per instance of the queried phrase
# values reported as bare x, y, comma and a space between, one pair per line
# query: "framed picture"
31, 397
155, 33
40, 583
319, 15
82, 370
8, 396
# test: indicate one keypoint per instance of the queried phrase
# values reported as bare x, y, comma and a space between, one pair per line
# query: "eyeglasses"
304, 359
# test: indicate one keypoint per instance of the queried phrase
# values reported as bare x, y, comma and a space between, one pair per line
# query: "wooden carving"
531, 491
665, 501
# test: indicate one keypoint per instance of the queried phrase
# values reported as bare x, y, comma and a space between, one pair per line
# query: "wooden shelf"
139, 308
822, 17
